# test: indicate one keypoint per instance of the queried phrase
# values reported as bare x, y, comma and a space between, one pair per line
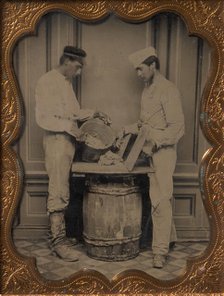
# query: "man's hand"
74, 131
149, 148
131, 129
127, 130
120, 134
119, 139
151, 135
82, 137
104, 117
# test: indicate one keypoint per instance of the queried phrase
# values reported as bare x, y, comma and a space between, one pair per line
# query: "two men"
58, 113
162, 118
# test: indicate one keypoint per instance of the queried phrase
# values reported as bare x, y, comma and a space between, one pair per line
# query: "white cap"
139, 56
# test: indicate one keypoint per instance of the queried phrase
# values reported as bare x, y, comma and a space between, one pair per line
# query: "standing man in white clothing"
162, 118
58, 113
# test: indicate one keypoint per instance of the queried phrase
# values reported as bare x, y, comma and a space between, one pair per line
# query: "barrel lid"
98, 135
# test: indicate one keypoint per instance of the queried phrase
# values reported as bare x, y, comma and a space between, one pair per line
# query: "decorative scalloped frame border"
204, 274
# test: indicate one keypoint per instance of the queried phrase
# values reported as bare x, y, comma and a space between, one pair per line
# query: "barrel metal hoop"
109, 242
113, 190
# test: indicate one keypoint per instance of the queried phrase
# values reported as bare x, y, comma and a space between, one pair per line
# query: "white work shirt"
161, 112
56, 103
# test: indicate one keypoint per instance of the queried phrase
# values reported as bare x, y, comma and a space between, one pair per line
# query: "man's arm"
50, 113
172, 109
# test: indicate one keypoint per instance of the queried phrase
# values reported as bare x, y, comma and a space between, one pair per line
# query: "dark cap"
72, 51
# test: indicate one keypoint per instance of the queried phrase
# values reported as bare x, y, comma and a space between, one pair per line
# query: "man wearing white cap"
162, 117
58, 113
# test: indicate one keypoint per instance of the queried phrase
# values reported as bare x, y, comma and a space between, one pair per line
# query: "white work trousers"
59, 152
161, 193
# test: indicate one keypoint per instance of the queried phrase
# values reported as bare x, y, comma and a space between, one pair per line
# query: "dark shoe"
159, 261
172, 245
73, 241
65, 251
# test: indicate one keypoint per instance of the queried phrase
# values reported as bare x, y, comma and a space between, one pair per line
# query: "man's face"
146, 72
73, 68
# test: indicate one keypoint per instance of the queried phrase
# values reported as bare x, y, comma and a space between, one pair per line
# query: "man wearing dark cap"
162, 118
58, 112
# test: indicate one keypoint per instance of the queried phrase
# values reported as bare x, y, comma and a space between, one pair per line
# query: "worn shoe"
65, 251
159, 261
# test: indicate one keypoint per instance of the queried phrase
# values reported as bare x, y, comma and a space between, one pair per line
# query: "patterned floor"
54, 268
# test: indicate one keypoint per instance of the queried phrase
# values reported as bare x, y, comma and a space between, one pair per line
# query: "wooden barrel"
112, 220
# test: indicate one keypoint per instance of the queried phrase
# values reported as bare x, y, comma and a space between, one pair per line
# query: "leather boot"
60, 245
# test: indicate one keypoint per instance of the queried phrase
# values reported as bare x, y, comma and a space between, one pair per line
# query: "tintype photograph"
111, 146
112, 151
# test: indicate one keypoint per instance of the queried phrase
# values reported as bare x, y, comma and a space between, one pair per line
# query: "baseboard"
29, 233
193, 235
41, 233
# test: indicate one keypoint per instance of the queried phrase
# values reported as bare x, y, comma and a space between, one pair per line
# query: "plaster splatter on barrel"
112, 220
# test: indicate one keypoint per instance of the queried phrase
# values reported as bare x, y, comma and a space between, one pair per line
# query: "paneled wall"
109, 83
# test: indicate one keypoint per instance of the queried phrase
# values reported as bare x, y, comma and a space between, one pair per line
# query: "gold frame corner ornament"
204, 274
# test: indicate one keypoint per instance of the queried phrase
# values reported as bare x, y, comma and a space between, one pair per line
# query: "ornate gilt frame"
204, 274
